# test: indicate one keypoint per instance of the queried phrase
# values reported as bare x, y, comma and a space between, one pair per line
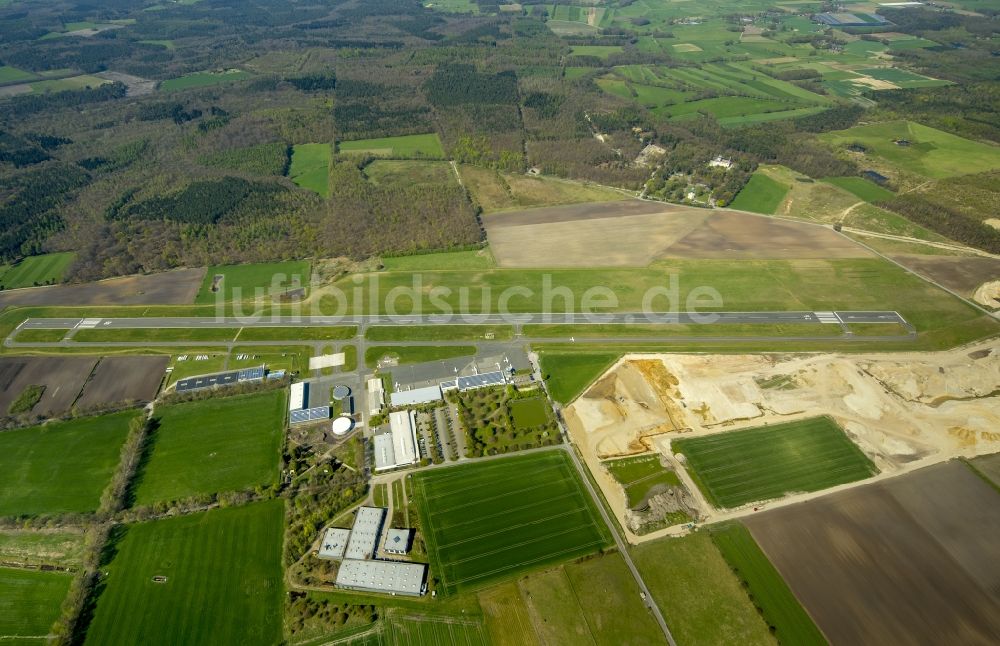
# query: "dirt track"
887, 564
178, 287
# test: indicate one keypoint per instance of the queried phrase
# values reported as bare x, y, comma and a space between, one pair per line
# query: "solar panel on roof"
495, 378
309, 415
251, 374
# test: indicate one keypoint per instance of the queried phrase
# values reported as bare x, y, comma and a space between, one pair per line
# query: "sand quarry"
903, 410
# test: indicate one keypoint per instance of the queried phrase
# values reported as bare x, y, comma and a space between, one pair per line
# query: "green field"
60, 467
46, 547
70, 83
224, 580
36, 270
761, 195
779, 607
930, 153
862, 188
698, 593
456, 332
471, 512
310, 167
734, 468
154, 334
416, 354
427, 146
568, 374
600, 51
639, 475
469, 259
403, 628
30, 602
529, 413
203, 79
213, 445
249, 282
10, 74
40, 335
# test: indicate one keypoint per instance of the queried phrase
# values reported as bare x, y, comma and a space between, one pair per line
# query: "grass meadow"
495, 191
779, 607
310, 167
214, 445
426, 146
861, 188
494, 520
61, 467
639, 475
242, 282
438, 332
416, 353
202, 79
568, 374
459, 260
761, 195
30, 602
223, 581
36, 270
734, 468
698, 592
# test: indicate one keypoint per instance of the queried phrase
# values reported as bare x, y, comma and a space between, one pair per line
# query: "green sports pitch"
211, 446
221, 580
494, 520
734, 468
61, 467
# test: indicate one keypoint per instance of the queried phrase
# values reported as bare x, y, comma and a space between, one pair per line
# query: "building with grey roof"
388, 577
397, 541
416, 396
334, 543
365, 533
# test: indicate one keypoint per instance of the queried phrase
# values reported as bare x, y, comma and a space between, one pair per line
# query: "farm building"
391, 577
334, 543
398, 447
365, 533
397, 541
416, 396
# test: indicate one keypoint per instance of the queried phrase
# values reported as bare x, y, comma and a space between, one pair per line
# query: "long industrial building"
387, 577
398, 447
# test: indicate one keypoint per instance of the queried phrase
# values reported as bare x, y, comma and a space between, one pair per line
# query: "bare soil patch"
909, 560
123, 379
958, 273
63, 378
613, 234
178, 287
737, 236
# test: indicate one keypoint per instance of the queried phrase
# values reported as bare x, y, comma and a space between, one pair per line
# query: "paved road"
618, 318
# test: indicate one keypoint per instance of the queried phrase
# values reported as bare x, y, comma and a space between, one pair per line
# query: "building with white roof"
416, 396
376, 396
298, 396
334, 543
397, 541
385, 456
365, 533
403, 425
389, 577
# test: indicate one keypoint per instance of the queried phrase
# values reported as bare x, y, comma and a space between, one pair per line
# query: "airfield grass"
30, 602
416, 353
202, 79
734, 468
62, 548
310, 167
567, 375
189, 367
306, 333
697, 591
154, 334
61, 467
769, 592
224, 580
460, 260
639, 475
495, 191
36, 270
213, 445
761, 195
242, 282
39, 335
931, 153
862, 188
294, 358
488, 522
677, 330
425, 146
455, 332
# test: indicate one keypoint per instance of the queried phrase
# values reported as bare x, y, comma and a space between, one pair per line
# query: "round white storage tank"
342, 425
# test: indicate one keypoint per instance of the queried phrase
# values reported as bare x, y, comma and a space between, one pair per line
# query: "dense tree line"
455, 84
28, 215
204, 202
30, 104
948, 222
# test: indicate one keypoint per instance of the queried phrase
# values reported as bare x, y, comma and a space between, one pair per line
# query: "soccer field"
215, 445
60, 467
223, 581
738, 467
493, 520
